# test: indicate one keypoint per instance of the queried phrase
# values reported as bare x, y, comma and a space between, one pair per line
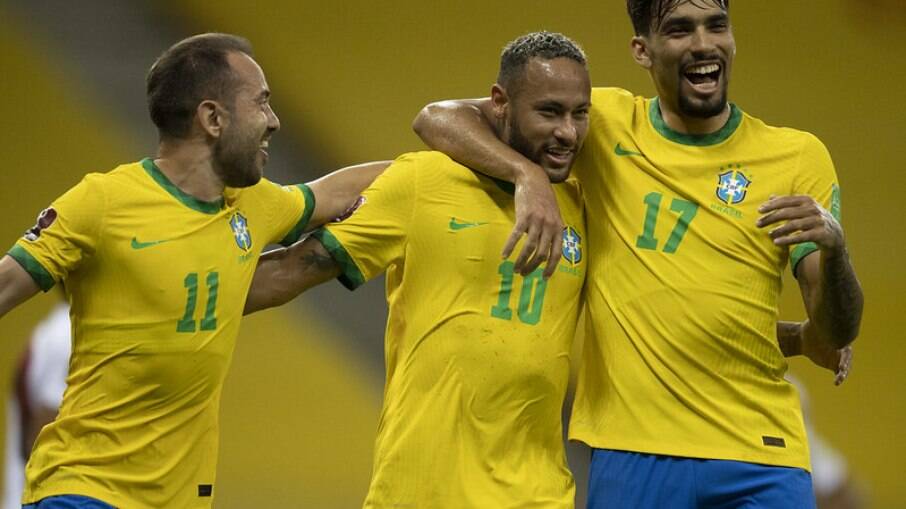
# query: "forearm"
337, 191
462, 130
789, 337
16, 285
838, 310
282, 274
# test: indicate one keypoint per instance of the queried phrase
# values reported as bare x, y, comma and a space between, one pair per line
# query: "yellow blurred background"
300, 407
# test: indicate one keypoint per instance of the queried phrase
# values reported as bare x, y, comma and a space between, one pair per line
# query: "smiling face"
241, 151
545, 113
690, 54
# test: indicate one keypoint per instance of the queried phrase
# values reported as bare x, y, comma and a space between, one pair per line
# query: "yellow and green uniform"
477, 356
157, 281
681, 355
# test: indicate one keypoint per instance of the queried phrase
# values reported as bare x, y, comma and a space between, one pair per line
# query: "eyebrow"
686, 20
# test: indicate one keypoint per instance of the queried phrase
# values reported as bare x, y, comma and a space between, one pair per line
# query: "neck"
189, 166
692, 125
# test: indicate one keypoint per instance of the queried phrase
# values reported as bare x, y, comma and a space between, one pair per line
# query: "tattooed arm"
283, 274
830, 289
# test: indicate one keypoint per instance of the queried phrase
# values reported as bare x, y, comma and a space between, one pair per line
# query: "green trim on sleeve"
296, 232
698, 140
799, 252
206, 207
351, 277
34, 268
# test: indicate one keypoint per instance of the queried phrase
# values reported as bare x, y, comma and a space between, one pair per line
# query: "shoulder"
612, 100
426, 157
117, 184
787, 135
429, 165
611, 95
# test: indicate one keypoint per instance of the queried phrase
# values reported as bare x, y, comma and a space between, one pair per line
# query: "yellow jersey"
681, 355
477, 356
157, 281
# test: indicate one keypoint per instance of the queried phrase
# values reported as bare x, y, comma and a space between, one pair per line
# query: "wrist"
529, 174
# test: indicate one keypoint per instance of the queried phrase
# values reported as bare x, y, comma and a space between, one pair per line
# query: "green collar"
699, 140
207, 207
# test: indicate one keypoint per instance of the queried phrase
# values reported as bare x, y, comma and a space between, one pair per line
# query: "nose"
273, 123
702, 41
566, 131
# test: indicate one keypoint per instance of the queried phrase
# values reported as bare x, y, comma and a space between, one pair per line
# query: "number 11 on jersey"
209, 322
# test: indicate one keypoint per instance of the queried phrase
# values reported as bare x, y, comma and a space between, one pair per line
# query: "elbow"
847, 328
844, 336
423, 120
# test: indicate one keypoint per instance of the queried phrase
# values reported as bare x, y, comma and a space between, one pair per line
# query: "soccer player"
694, 210
477, 354
157, 257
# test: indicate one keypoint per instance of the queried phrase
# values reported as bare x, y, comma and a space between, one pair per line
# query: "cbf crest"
240, 226
732, 186
572, 245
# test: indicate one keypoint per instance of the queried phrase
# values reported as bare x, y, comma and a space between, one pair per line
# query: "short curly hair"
191, 71
646, 14
546, 45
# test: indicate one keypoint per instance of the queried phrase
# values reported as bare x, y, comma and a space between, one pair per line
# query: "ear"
499, 101
211, 117
639, 47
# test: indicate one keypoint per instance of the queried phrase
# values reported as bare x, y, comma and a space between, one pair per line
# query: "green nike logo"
142, 245
620, 151
456, 225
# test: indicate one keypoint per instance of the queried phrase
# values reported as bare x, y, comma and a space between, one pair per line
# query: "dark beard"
703, 110
235, 164
518, 143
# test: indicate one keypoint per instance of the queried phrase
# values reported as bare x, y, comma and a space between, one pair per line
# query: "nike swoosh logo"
620, 151
456, 225
142, 245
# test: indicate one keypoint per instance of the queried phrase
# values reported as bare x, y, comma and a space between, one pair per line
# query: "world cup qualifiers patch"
240, 226
572, 245
45, 219
351, 210
732, 186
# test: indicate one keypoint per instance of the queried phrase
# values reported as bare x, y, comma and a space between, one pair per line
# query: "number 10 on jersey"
531, 296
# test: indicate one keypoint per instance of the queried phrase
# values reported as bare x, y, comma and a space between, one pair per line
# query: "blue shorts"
622, 480
68, 502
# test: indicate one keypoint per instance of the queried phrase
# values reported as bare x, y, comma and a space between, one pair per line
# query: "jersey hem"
296, 232
350, 276
38, 273
77, 490
760, 459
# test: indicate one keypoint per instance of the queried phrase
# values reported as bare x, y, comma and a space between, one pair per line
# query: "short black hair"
646, 14
191, 71
546, 45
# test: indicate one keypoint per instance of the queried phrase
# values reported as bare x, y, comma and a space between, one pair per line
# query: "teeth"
703, 69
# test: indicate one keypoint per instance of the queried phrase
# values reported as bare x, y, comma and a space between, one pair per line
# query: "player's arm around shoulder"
283, 274
463, 129
336, 192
